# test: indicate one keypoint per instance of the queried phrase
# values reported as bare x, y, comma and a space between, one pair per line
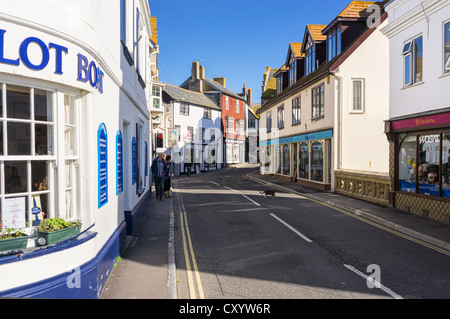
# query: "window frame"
321, 98
280, 116
410, 54
444, 63
296, 110
59, 162
362, 96
269, 121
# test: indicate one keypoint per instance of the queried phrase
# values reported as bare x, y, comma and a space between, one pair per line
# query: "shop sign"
102, 141
119, 164
299, 138
88, 71
422, 122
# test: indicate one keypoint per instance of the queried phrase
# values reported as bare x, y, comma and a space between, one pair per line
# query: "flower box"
54, 230
13, 243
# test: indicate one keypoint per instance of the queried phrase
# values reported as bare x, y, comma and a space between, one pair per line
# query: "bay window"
30, 170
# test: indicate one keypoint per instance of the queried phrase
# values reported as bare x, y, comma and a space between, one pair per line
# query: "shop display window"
317, 161
423, 164
303, 171
428, 164
278, 160
407, 164
446, 165
286, 160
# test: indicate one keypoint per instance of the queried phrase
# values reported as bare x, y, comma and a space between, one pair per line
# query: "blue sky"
235, 39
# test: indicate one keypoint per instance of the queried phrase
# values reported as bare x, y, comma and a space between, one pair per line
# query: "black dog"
269, 192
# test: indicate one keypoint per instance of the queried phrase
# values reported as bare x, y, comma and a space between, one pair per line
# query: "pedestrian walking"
168, 177
159, 169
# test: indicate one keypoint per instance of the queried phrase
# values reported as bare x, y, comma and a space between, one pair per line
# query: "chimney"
249, 99
195, 70
244, 91
222, 81
202, 72
196, 82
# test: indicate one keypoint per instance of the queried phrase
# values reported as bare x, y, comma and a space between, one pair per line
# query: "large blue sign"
119, 162
102, 143
87, 71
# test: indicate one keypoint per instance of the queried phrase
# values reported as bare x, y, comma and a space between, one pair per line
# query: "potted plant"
53, 230
12, 239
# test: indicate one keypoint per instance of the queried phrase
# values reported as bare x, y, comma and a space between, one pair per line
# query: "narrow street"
233, 242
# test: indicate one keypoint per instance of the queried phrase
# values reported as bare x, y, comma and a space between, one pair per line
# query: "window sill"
356, 112
37, 251
445, 75
412, 85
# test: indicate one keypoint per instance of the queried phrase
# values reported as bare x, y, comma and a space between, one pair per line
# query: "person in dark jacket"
168, 177
159, 170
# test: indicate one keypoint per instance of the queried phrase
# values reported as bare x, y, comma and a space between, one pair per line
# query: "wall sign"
133, 155
102, 143
88, 71
119, 162
299, 138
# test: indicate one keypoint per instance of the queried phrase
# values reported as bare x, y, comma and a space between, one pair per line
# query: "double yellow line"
192, 272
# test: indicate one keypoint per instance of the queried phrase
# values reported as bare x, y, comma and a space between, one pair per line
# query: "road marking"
365, 220
230, 189
291, 228
252, 200
215, 183
376, 283
187, 243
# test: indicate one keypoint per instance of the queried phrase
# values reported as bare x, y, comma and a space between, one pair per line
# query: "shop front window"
303, 171
407, 164
446, 165
317, 161
428, 164
266, 154
286, 160
279, 158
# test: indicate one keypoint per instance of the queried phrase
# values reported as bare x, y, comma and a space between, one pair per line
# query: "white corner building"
74, 137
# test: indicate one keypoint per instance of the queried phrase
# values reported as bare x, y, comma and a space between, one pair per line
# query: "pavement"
146, 269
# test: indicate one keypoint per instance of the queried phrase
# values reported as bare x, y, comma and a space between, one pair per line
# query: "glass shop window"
303, 171
317, 161
428, 161
407, 164
446, 165
286, 160
278, 160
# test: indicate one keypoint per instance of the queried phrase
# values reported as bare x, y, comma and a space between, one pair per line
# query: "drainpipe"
338, 125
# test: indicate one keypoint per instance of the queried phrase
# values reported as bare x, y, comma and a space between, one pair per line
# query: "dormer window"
293, 72
279, 84
333, 44
310, 57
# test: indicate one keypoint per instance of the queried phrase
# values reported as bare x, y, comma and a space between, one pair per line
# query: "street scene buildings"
359, 109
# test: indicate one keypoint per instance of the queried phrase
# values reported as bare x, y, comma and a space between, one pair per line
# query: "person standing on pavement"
168, 177
159, 169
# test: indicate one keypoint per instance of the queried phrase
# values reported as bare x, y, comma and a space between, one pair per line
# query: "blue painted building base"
87, 282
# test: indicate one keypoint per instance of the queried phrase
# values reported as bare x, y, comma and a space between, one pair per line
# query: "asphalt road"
232, 242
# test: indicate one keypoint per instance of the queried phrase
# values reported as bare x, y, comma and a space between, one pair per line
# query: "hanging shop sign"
87, 71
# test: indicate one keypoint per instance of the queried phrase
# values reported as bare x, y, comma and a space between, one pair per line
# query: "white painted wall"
196, 120
408, 19
364, 145
91, 28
